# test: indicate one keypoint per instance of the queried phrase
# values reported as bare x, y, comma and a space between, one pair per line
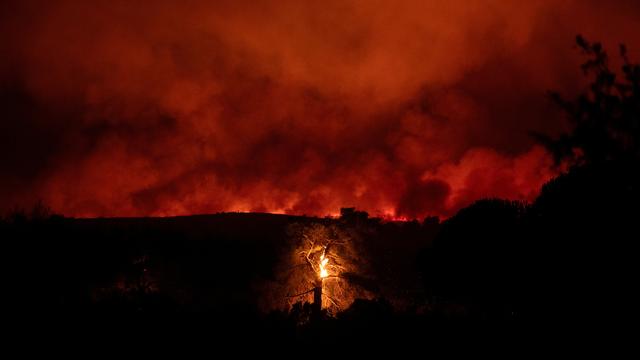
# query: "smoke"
405, 109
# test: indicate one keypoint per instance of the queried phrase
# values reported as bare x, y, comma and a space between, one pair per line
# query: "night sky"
400, 108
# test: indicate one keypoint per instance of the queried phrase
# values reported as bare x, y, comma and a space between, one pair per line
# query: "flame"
323, 263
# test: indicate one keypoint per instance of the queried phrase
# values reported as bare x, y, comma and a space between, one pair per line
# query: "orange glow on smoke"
403, 109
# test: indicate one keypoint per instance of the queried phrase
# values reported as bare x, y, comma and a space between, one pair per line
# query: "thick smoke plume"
401, 108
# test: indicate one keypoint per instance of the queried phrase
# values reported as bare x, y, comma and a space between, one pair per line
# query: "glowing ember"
323, 263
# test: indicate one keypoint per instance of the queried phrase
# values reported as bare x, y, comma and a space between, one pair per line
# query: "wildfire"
323, 264
318, 245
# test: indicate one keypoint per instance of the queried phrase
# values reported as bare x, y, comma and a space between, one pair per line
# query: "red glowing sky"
400, 108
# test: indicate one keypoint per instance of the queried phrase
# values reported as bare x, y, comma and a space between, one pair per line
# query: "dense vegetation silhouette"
570, 253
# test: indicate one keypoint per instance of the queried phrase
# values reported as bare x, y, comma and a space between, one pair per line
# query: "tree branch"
313, 244
310, 264
302, 293
339, 267
334, 302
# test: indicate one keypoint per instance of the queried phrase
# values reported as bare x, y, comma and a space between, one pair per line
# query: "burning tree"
321, 267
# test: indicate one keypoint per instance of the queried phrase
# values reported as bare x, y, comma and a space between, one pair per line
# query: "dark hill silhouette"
203, 263
476, 258
585, 228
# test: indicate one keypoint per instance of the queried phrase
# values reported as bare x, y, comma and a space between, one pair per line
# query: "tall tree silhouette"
606, 118
570, 254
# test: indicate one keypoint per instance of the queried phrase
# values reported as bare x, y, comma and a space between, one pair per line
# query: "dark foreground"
568, 259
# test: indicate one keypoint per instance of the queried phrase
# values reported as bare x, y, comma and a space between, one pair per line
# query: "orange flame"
323, 264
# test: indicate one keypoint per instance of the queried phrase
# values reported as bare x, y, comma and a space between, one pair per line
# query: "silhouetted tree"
606, 118
586, 219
